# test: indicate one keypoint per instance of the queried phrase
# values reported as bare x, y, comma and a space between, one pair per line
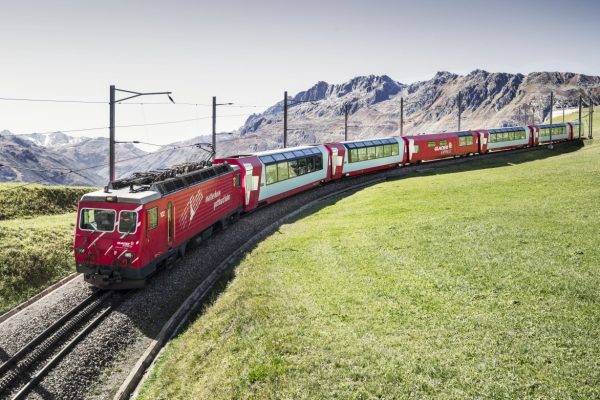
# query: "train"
134, 227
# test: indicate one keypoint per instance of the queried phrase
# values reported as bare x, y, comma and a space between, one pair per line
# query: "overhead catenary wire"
77, 171
128, 126
67, 101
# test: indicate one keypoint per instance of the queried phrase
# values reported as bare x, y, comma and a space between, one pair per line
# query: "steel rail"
36, 348
35, 379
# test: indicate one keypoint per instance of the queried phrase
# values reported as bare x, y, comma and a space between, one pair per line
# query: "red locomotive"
138, 224
125, 232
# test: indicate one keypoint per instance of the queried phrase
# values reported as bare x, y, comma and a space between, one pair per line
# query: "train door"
483, 142
170, 224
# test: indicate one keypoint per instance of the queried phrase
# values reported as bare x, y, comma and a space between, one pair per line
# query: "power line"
128, 126
53, 100
77, 171
136, 103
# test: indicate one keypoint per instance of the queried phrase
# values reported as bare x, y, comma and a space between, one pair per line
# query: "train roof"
442, 135
123, 195
552, 125
276, 151
151, 186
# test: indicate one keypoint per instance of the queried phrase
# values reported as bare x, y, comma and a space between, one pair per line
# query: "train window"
371, 152
443, 143
379, 150
97, 220
298, 153
282, 171
465, 140
395, 149
271, 173
387, 150
318, 162
415, 148
302, 167
431, 144
293, 168
368, 143
127, 221
362, 154
237, 180
152, 218
310, 164
353, 155
278, 157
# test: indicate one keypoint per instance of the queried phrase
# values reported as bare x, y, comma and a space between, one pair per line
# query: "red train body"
124, 234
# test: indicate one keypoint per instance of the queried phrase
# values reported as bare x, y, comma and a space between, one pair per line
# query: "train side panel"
364, 156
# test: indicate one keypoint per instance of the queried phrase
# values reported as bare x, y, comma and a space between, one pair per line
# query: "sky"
250, 52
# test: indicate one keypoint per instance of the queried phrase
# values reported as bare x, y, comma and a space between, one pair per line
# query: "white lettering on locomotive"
222, 200
212, 196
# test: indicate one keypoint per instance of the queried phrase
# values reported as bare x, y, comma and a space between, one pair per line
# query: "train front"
108, 239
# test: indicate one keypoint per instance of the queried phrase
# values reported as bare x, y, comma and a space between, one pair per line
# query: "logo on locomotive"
194, 203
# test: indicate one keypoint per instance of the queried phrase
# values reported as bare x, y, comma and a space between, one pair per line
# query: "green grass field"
37, 223
34, 253
475, 281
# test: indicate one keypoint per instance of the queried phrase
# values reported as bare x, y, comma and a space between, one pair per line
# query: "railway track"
22, 372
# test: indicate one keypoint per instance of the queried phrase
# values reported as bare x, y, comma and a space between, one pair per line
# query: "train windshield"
94, 219
127, 221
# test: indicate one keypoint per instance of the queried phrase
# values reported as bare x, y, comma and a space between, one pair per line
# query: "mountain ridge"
316, 115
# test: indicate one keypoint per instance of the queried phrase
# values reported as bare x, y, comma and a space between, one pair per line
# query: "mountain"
49, 158
488, 100
316, 115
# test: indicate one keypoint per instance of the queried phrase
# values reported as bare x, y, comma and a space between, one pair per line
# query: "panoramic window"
293, 170
372, 149
152, 218
387, 150
271, 172
283, 171
93, 219
300, 162
127, 221
371, 152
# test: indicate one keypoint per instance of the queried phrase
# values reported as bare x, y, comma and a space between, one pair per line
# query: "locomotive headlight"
80, 250
128, 254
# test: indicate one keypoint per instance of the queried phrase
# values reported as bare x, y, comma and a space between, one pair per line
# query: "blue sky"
250, 52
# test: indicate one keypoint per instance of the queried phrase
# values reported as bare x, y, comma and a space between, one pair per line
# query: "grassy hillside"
573, 117
34, 253
36, 200
36, 238
456, 283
